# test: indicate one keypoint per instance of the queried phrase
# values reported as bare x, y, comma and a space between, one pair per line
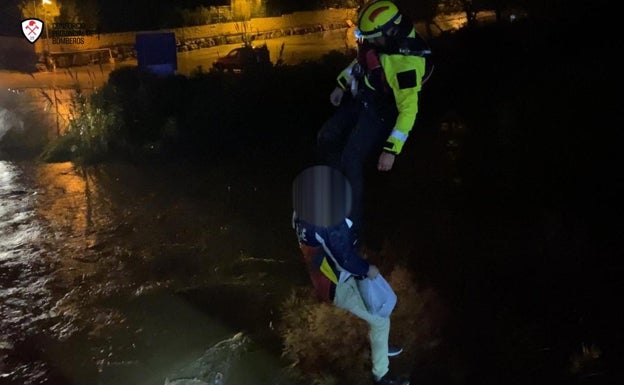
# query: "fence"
78, 58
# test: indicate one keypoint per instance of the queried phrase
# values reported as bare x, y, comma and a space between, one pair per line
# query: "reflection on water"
121, 273
69, 206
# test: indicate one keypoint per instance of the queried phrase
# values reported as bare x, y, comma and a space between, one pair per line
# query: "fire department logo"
31, 28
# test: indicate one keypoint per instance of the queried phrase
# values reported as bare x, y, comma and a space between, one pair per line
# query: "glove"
336, 96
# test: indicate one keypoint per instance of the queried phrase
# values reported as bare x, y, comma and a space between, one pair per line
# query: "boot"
389, 379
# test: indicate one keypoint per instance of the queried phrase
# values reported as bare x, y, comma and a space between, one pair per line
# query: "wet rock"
213, 367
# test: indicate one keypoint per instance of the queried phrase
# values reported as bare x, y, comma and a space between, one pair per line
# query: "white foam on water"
16, 227
9, 120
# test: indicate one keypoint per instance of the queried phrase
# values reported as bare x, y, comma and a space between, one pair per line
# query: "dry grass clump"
585, 359
327, 345
417, 319
323, 341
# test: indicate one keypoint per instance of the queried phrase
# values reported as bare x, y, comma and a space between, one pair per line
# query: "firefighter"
376, 99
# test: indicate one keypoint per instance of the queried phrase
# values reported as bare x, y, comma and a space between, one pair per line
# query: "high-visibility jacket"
401, 76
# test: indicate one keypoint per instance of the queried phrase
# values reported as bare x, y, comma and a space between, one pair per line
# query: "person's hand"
386, 160
336, 96
373, 272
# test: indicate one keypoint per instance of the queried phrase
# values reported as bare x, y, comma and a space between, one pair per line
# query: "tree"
422, 10
471, 12
79, 11
279, 7
9, 26
37, 8
341, 3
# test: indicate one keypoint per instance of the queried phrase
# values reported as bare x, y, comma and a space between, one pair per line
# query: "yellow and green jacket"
403, 77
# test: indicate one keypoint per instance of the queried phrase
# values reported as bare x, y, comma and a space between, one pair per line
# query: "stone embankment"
16, 53
189, 38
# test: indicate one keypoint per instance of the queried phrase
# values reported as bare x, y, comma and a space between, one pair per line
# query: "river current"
120, 274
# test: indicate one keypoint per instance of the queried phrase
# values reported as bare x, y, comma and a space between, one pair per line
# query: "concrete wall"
330, 17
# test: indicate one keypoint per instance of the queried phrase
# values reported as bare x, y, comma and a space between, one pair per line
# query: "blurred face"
377, 41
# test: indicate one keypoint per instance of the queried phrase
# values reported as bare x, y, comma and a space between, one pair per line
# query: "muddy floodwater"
120, 274
124, 274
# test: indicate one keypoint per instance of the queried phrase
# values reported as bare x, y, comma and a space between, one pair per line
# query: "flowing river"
120, 274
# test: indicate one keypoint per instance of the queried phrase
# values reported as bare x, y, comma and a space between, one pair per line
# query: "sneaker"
394, 351
388, 379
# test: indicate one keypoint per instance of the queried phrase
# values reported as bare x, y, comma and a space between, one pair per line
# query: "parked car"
242, 58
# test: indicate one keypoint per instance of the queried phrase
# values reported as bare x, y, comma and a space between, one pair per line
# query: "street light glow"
47, 2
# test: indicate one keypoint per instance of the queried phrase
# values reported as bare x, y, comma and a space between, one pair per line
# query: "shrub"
328, 344
90, 133
138, 114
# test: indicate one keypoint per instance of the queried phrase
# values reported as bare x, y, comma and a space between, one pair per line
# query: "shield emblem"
32, 29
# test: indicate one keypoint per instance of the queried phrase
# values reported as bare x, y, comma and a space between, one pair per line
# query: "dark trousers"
351, 140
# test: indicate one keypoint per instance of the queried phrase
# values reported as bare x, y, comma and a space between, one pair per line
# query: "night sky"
10, 17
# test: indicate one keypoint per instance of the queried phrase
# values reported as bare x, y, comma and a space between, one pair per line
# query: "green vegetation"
93, 128
140, 116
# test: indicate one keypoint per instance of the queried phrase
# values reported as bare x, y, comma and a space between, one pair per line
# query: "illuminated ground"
296, 49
